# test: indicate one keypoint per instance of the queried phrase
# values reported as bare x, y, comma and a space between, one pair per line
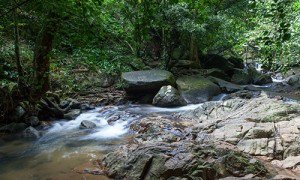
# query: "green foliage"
114, 36
275, 32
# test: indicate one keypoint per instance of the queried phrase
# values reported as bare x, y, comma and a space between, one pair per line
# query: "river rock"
196, 89
237, 62
259, 78
33, 121
250, 76
73, 103
180, 160
85, 124
294, 80
227, 86
168, 96
86, 107
216, 61
13, 127
30, 132
72, 114
260, 109
63, 104
217, 73
18, 113
147, 81
243, 94
241, 76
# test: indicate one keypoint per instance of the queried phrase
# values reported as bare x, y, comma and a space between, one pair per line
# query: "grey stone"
13, 127
228, 86
72, 114
33, 121
241, 76
147, 81
168, 96
217, 73
30, 132
197, 89
18, 113
87, 125
294, 80
86, 107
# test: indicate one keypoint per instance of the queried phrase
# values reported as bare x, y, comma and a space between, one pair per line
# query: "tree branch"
15, 7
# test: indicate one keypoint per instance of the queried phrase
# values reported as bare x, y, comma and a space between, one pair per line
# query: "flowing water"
64, 149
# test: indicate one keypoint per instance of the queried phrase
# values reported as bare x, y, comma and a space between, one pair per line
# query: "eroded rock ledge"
217, 140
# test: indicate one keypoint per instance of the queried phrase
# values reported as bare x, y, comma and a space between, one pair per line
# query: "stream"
64, 148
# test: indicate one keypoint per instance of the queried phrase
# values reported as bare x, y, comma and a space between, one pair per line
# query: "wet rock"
216, 61
294, 80
250, 76
64, 104
30, 132
217, 73
86, 107
13, 127
168, 96
72, 114
261, 79
241, 76
227, 86
244, 94
240, 165
33, 121
196, 89
87, 125
147, 81
237, 62
73, 103
178, 161
113, 119
158, 129
18, 113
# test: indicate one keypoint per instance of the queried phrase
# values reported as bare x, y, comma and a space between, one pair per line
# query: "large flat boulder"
197, 89
147, 81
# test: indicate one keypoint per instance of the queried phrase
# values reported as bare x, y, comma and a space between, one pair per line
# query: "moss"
238, 164
282, 115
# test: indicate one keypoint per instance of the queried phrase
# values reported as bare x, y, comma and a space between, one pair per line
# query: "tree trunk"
17, 45
194, 55
41, 55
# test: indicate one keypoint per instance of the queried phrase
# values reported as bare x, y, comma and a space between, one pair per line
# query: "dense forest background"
47, 45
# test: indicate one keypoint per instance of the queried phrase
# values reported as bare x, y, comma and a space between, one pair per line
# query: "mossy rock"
197, 89
239, 165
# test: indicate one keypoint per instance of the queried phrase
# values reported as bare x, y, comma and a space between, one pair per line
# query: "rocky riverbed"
216, 140
209, 126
